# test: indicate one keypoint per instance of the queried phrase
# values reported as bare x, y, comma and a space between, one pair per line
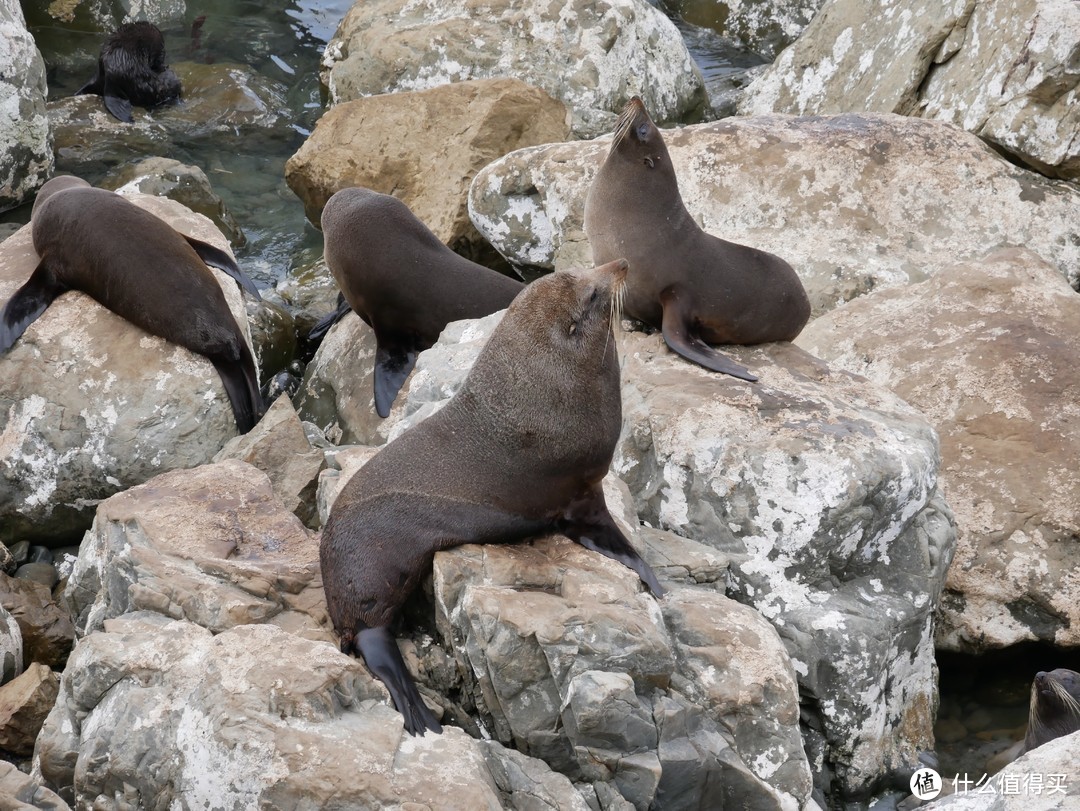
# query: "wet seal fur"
520, 451
136, 265
402, 281
132, 71
698, 289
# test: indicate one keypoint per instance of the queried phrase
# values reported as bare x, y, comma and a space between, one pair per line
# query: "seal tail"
217, 258
29, 302
380, 652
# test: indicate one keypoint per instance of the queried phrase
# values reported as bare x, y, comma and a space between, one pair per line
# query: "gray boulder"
593, 56
987, 350
26, 150
853, 202
1005, 70
90, 404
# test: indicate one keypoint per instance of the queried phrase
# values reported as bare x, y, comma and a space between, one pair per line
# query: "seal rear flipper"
323, 325
217, 258
394, 359
241, 383
588, 522
380, 652
679, 337
28, 302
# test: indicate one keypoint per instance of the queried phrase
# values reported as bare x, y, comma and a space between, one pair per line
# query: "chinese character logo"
926, 784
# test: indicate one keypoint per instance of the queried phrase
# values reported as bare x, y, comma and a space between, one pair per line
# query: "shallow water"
283, 43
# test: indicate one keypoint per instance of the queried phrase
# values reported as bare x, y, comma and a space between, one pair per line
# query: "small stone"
20, 551
949, 730
43, 573
40, 554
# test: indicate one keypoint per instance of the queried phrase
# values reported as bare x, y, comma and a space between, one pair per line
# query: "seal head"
1055, 707
519, 451
698, 289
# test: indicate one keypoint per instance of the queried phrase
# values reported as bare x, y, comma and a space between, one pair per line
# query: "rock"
254, 717
987, 350
1002, 69
273, 331
409, 152
187, 185
853, 202
8, 564
220, 530
26, 156
592, 57
764, 28
90, 404
43, 573
342, 463
1042, 780
45, 627
11, 647
818, 489
309, 293
19, 792
24, 703
20, 552
279, 448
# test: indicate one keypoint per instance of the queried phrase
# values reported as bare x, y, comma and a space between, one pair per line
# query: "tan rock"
987, 350
424, 147
24, 704
46, 630
20, 792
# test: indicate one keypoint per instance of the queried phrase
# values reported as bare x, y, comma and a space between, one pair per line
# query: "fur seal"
132, 71
402, 281
1055, 707
136, 265
519, 451
698, 289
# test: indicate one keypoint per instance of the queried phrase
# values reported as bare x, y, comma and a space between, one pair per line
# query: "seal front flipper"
380, 652
394, 359
28, 302
217, 258
588, 522
119, 106
322, 326
678, 335
241, 383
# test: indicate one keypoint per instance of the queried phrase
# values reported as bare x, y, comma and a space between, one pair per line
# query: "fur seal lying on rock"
519, 451
136, 265
402, 281
132, 71
698, 289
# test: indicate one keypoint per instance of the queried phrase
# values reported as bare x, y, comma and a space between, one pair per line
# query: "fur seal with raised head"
1055, 707
402, 281
519, 451
136, 265
698, 289
132, 71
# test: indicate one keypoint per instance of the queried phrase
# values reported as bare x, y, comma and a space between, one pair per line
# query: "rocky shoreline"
900, 481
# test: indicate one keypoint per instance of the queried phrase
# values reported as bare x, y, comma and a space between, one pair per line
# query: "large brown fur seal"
402, 281
697, 288
136, 265
132, 71
519, 451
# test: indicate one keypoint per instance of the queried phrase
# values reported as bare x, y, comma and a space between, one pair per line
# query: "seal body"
697, 288
402, 281
519, 451
132, 70
136, 265
1055, 707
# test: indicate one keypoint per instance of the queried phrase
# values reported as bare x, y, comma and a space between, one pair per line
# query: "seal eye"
643, 130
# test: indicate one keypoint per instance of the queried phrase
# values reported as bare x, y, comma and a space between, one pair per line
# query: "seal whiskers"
1055, 707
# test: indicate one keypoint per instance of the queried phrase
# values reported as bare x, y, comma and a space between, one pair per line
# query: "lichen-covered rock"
1005, 70
11, 646
591, 56
157, 714
853, 202
169, 544
424, 147
26, 155
91, 404
987, 350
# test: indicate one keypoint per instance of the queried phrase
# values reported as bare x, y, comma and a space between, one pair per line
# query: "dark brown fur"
402, 281
519, 451
1055, 707
682, 278
132, 70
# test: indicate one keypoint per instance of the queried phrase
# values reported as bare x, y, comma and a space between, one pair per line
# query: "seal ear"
678, 335
217, 258
29, 301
